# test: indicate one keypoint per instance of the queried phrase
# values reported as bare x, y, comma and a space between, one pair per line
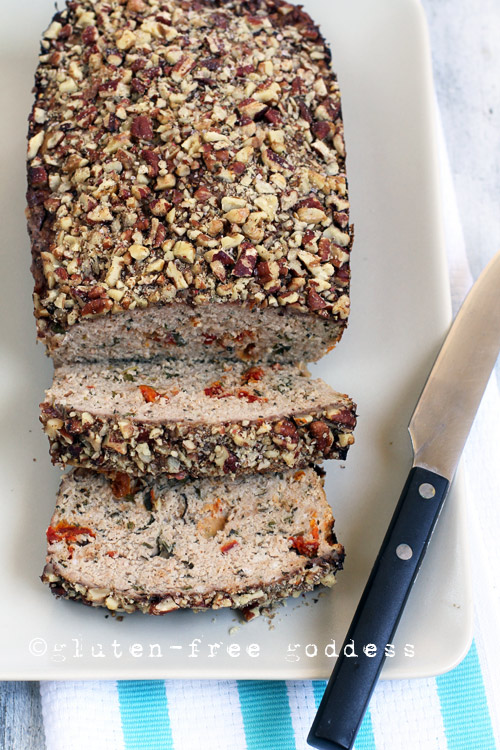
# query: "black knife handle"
354, 677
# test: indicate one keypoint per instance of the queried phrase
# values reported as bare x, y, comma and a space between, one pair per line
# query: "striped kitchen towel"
450, 711
455, 711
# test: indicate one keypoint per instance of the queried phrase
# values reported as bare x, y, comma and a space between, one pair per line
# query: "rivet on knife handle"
354, 677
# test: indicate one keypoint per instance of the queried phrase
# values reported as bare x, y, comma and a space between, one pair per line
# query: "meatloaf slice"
201, 419
203, 544
186, 164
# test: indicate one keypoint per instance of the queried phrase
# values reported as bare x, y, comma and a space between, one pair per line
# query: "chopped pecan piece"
246, 261
97, 307
142, 128
322, 435
285, 434
230, 464
314, 301
37, 176
321, 129
153, 160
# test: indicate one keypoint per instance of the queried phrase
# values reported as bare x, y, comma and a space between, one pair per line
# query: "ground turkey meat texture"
204, 544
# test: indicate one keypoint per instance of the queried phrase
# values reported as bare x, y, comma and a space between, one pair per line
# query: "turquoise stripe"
266, 715
365, 739
144, 714
319, 687
466, 718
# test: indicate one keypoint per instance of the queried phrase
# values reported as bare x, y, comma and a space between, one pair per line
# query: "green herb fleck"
166, 549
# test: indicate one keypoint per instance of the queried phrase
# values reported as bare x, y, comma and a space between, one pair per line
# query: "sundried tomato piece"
308, 549
229, 545
254, 374
209, 338
149, 394
67, 532
314, 529
244, 335
250, 397
215, 390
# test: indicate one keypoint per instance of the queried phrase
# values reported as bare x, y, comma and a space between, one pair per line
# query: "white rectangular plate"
401, 311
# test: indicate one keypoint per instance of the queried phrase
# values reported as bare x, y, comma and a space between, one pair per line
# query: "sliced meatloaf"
203, 544
202, 419
187, 190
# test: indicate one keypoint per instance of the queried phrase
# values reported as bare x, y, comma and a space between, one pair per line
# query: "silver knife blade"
446, 409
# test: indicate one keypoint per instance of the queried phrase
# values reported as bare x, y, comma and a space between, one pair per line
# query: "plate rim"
242, 673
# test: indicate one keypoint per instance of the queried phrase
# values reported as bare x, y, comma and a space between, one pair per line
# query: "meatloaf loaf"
187, 191
194, 420
202, 544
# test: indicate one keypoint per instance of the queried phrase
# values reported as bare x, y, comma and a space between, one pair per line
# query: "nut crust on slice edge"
206, 544
208, 420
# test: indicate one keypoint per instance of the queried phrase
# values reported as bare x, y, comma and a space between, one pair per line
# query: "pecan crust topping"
186, 150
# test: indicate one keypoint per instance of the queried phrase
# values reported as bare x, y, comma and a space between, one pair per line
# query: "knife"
439, 429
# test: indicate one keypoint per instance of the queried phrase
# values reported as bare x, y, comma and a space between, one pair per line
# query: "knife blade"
438, 429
